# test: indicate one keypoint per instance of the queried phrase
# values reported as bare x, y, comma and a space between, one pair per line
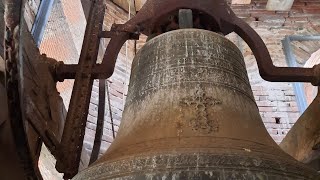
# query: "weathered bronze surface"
190, 114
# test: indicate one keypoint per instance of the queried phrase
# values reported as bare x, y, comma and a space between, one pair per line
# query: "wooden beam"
86, 4
124, 4
1, 30
2, 65
139, 4
310, 90
279, 5
303, 140
240, 1
133, 9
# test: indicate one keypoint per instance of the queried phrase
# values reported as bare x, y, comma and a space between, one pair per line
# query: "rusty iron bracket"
317, 74
110, 34
100, 122
69, 150
223, 20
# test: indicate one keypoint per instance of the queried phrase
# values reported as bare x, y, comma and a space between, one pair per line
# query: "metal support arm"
146, 22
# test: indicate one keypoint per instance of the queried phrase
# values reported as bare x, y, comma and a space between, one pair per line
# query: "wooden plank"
86, 4
139, 4
1, 30
279, 5
302, 141
124, 4
100, 122
240, 1
1, 64
311, 91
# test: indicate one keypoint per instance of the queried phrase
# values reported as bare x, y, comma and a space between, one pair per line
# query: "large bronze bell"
190, 114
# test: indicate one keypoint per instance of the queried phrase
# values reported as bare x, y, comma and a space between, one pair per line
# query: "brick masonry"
276, 101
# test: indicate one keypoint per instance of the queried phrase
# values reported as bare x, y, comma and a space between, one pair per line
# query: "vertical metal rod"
185, 18
298, 87
41, 20
100, 122
110, 112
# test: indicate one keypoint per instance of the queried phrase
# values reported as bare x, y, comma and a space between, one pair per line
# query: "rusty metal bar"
267, 72
68, 71
86, 4
267, 69
110, 34
298, 87
110, 112
100, 122
69, 150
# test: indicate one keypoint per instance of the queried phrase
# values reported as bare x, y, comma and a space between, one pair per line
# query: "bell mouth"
195, 144
199, 165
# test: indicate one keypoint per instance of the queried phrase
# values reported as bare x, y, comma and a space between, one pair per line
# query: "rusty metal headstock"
154, 12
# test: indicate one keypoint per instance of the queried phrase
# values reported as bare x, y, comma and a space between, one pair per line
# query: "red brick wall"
277, 100
59, 43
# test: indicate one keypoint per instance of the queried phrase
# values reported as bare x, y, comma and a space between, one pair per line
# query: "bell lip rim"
97, 164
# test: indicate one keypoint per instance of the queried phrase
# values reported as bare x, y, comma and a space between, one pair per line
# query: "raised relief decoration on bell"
204, 118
